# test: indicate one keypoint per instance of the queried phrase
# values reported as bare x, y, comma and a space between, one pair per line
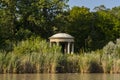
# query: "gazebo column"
72, 48
57, 43
68, 48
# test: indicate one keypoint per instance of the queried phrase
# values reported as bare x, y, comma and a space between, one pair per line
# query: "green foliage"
36, 56
69, 63
39, 16
79, 20
19, 19
29, 46
111, 56
32, 55
112, 48
116, 11
106, 60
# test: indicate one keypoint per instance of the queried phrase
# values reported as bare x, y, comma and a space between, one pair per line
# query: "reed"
29, 56
1, 61
36, 56
111, 56
90, 62
80, 63
84, 63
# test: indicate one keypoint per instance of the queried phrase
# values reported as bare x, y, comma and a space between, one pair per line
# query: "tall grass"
36, 56
111, 57
90, 62
31, 56
69, 63
81, 63
106, 60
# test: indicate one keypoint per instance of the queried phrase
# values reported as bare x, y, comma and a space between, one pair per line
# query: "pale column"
57, 43
72, 48
68, 50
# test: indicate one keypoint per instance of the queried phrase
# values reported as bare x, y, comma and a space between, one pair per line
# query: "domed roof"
62, 35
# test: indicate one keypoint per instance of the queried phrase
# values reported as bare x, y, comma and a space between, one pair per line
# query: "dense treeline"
21, 19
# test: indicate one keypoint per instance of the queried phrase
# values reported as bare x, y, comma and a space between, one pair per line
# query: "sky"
93, 3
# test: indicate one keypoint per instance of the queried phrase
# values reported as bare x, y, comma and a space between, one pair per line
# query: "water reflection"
59, 76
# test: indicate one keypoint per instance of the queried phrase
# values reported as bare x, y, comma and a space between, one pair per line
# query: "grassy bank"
36, 56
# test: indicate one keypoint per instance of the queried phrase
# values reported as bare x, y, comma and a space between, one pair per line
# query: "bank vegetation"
34, 55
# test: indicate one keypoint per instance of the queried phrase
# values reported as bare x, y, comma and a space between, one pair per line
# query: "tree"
7, 22
116, 11
19, 19
39, 15
100, 8
92, 30
105, 28
80, 20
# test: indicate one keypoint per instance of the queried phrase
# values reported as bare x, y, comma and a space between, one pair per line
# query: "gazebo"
64, 40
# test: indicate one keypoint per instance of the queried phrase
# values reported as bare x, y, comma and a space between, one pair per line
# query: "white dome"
62, 35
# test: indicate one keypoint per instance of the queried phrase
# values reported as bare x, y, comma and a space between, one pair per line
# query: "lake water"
66, 76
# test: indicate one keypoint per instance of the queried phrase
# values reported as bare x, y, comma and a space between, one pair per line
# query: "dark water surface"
67, 76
